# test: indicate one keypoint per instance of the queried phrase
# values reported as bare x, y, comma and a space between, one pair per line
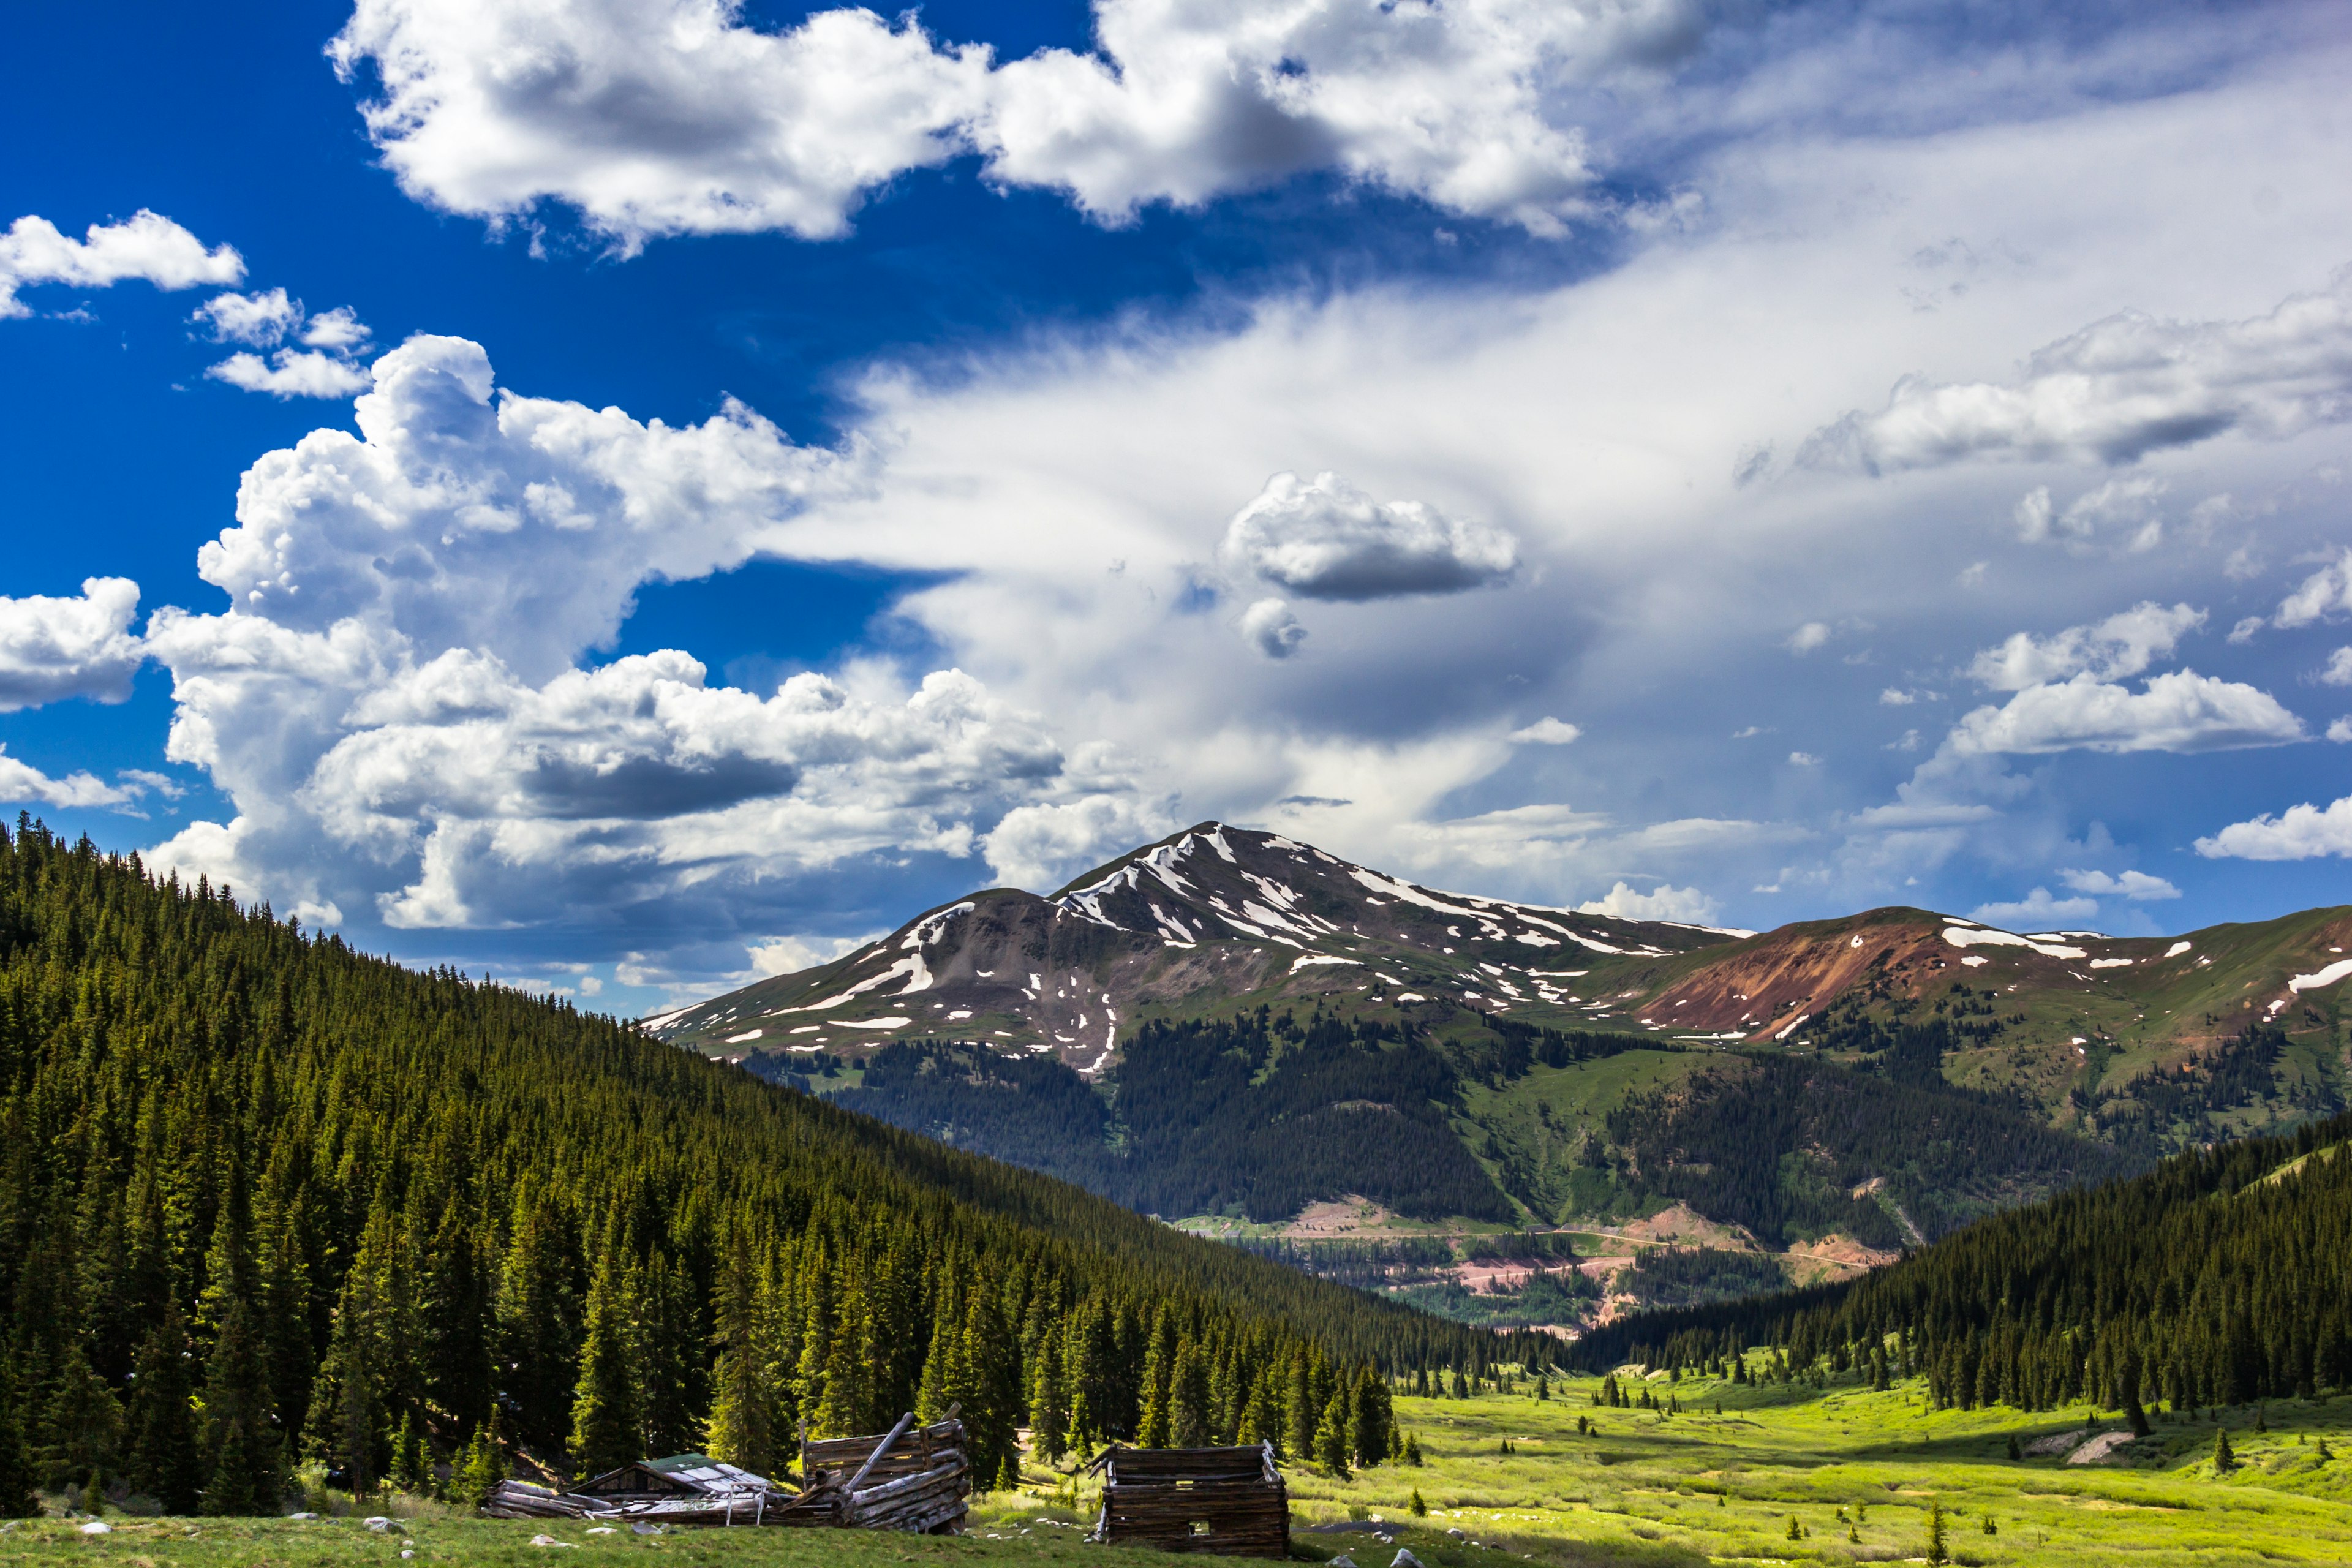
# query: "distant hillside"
264, 1199
2222, 1278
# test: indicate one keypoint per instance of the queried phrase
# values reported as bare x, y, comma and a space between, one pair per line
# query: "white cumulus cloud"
1328, 539
1547, 732
2325, 594
1039, 846
2035, 912
2303, 832
1268, 626
292, 373
146, 245
261, 319
21, 782
2134, 885
2118, 390
2124, 644
2177, 712
52, 649
394, 704
264, 320
1662, 903
677, 117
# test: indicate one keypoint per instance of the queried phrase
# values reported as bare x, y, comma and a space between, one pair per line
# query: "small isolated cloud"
2124, 644
1972, 575
2243, 632
1547, 732
53, 649
1749, 731
261, 319
1328, 539
146, 245
2116, 391
1807, 637
2181, 712
2134, 885
1270, 627
1662, 903
23, 783
1804, 760
2340, 731
292, 373
1907, 741
2299, 833
2035, 912
2322, 595
2339, 668
1893, 696
338, 330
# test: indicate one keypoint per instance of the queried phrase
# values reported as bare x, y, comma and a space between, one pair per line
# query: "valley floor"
1644, 1488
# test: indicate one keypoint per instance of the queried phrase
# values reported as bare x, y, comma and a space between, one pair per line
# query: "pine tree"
1188, 1397
477, 1467
82, 1426
409, 1471
165, 1459
1154, 1428
2225, 1458
244, 1465
1331, 1443
1937, 1550
1420, 1508
742, 1410
1371, 1420
604, 1432
19, 1498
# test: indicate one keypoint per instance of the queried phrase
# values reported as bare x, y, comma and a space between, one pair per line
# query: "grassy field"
1857, 1471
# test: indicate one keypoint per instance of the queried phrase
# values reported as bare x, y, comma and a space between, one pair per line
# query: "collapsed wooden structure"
911, 1479
1231, 1501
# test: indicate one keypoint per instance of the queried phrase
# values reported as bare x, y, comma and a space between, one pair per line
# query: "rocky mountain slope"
1232, 1025
1197, 924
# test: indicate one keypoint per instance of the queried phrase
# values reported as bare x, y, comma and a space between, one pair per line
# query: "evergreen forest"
266, 1201
2220, 1278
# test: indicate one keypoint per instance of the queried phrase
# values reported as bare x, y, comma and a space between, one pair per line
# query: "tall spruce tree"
165, 1458
742, 1409
604, 1430
19, 1496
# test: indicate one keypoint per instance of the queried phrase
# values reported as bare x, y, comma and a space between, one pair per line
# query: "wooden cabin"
1231, 1501
679, 1478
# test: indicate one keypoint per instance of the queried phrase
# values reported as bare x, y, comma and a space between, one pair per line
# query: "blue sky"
716, 480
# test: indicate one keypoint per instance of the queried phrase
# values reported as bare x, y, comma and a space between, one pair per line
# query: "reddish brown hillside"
1763, 986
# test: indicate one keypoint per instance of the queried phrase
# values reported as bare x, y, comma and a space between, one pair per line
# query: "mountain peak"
1213, 918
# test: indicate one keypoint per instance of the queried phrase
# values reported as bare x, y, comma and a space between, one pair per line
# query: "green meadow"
1859, 1473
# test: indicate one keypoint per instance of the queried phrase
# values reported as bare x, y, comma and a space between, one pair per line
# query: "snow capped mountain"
1214, 918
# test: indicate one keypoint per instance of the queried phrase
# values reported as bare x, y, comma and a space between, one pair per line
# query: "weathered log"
951, 1473
876, 1456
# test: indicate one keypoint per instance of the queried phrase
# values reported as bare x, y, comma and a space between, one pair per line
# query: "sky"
633, 496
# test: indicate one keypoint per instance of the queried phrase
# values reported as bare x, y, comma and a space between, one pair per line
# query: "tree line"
265, 1200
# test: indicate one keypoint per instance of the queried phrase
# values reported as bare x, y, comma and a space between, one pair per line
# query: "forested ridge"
264, 1200
1795, 1147
2222, 1277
